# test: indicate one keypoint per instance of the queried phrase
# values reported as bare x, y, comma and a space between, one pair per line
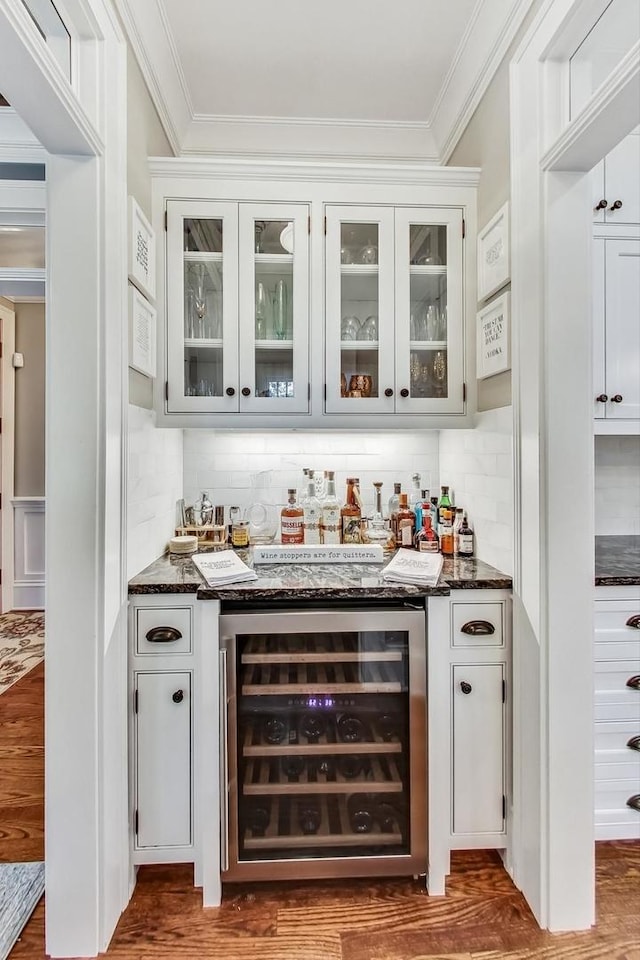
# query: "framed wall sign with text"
142, 251
142, 334
493, 350
494, 268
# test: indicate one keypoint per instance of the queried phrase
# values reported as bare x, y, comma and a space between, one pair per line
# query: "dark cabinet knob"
465, 686
601, 205
617, 398
163, 635
634, 682
388, 392
246, 392
602, 398
178, 696
634, 743
478, 628
634, 802
634, 621
616, 205
230, 391
404, 392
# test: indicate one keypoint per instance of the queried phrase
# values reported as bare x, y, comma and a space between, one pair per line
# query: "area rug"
21, 886
21, 645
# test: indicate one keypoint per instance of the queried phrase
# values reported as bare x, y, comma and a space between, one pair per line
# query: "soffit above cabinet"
364, 80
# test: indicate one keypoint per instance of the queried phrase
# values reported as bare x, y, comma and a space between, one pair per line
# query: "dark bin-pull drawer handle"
634, 743
634, 802
634, 621
478, 628
163, 635
634, 682
178, 696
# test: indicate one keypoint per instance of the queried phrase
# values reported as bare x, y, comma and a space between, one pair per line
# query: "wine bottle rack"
283, 831
264, 776
322, 678
334, 648
255, 745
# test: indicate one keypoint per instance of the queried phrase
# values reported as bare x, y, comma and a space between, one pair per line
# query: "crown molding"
302, 169
479, 55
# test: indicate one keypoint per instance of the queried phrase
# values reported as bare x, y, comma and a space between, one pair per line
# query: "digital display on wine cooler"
320, 702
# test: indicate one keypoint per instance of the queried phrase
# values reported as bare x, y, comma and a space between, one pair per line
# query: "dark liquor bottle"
361, 812
465, 539
292, 521
309, 815
292, 767
446, 532
351, 729
312, 726
351, 513
274, 729
406, 523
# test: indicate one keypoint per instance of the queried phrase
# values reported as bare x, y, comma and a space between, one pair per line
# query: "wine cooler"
324, 772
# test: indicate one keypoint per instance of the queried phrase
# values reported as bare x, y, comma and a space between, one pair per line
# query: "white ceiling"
351, 78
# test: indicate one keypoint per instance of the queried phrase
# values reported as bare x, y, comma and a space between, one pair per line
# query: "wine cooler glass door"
327, 765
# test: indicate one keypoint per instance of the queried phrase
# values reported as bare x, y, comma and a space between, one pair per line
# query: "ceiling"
361, 79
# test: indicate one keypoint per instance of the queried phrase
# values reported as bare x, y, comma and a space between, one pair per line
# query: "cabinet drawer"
614, 735
616, 649
616, 705
177, 640
477, 624
613, 795
616, 624
618, 765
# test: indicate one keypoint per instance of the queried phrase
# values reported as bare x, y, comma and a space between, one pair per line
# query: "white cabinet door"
274, 308
478, 748
622, 321
622, 181
429, 311
202, 307
163, 759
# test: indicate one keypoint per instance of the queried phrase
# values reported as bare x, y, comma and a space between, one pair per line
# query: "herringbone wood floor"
482, 917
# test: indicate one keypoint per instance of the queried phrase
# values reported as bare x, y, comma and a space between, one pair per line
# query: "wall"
30, 404
478, 465
485, 144
617, 486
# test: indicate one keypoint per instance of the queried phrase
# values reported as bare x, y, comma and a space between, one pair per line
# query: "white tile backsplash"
617, 486
154, 484
477, 464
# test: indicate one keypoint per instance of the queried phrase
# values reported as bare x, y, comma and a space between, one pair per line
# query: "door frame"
7, 453
554, 456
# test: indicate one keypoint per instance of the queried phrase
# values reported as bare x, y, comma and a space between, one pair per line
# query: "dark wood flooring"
483, 917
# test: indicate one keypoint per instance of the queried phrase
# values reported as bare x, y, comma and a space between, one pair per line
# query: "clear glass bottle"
330, 511
406, 523
292, 521
378, 532
351, 513
466, 542
311, 511
457, 523
394, 503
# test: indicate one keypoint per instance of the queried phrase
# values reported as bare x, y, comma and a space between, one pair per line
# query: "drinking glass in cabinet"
203, 300
263, 311
427, 244
369, 329
349, 328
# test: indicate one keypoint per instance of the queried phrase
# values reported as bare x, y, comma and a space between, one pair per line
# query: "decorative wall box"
142, 333
493, 351
320, 553
494, 268
142, 251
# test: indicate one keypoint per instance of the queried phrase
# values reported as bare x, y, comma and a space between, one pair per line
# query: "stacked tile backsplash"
154, 485
478, 466
617, 486
242, 467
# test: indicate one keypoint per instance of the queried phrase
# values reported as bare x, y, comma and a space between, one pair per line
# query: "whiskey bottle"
330, 514
446, 532
311, 512
405, 524
465, 539
394, 501
292, 521
351, 513
426, 539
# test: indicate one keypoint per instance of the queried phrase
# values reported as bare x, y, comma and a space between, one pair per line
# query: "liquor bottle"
443, 503
457, 523
446, 532
330, 512
434, 513
292, 521
466, 539
311, 512
426, 540
360, 810
416, 499
394, 500
377, 531
406, 523
351, 513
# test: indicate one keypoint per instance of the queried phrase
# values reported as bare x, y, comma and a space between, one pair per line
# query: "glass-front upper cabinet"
394, 311
237, 307
274, 308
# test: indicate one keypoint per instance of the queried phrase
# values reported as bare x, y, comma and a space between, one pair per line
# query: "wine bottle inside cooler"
312, 726
257, 816
351, 729
274, 729
292, 767
351, 766
309, 816
361, 812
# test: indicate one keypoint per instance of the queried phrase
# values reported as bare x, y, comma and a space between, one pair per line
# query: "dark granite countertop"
617, 561
312, 581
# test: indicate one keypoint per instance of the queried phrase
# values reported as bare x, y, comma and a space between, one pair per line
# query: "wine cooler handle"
224, 766
163, 635
478, 628
634, 621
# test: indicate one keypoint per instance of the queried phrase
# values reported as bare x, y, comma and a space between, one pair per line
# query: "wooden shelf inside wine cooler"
264, 777
329, 648
261, 679
334, 830
253, 746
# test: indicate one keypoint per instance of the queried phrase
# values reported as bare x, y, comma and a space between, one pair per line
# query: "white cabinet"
616, 183
468, 654
617, 715
237, 307
616, 288
394, 310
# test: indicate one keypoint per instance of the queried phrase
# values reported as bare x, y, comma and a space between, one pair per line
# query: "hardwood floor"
483, 917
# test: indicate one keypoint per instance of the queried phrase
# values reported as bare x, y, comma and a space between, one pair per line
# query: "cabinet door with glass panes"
360, 326
429, 345
274, 308
202, 306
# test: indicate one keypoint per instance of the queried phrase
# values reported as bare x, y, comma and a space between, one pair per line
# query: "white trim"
7, 412
29, 530
23, 197
17, 143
